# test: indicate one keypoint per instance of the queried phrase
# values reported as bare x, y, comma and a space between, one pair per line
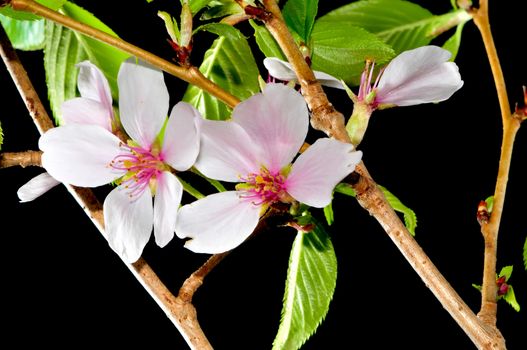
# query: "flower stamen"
141, 166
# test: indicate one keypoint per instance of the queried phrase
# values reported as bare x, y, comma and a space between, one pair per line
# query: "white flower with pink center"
422, 75
255, 149
90, 155
94, 107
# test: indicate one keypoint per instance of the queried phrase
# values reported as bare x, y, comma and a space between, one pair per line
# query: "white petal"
93, 85
418, 76
128, 223
80, 155
36, 187
82, 110
284, 71
319, 169
143, 101
280, 69
277, 121
217, 223
166, 204
181, 141
226, 151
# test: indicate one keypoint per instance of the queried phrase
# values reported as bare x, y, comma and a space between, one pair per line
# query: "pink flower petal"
284, 71
226, 151
181, 141
36, 187
143, 101
82, 110
277, 121
80, 154
93, 85
417, 76
166, 205
319, 169
128, 223
217, 223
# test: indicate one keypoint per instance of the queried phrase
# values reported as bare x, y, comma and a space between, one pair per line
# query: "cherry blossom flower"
90, 155
422, 75
94, 107
283, 70
255, 149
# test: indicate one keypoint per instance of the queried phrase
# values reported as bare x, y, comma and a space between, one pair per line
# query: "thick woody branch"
23, 159
182, 313
372, 199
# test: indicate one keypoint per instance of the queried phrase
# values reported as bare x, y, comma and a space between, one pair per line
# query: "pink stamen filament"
140, 165
264, 187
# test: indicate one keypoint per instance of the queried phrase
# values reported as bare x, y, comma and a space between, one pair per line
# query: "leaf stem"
23, 159
371, 198
181, 313
190, 74
191, 190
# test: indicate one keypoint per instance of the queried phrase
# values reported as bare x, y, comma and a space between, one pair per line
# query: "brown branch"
181, 313
372, 199
191, 75
324, 116
511, 125
191, 284
23, 159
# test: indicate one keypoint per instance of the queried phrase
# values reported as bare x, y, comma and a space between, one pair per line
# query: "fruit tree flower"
94, 107
255, 149
90, 155
417, 76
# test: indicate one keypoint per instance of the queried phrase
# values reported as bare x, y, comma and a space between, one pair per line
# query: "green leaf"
410, 219
453, 43
26, 16
104, 56
401, 24
328, 213
196, 5
221, 8
477, 286
510, 298
230, 64
61, 52
525, 254
340, 50
506, 271
310, 284
266, 42
345, 189
65, 48
300, 16
24, 35
490, 203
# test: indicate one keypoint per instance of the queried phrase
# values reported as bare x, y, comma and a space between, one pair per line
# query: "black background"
62, 285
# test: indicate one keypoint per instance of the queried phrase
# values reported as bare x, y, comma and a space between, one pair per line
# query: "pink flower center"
142, 168
263, 187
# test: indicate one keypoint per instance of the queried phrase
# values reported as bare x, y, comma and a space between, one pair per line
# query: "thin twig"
191, 74
372, 199
511, 126
23, 159
181, 313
